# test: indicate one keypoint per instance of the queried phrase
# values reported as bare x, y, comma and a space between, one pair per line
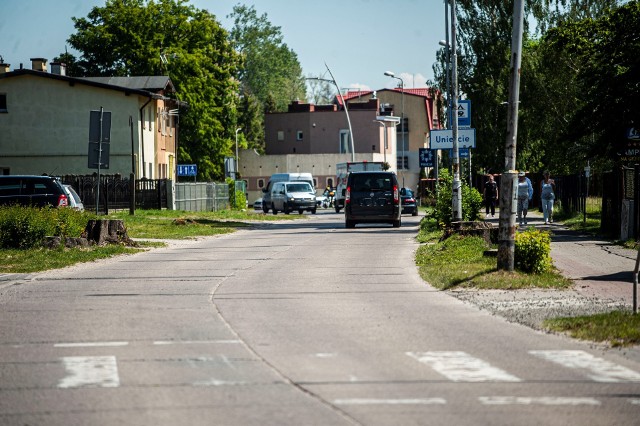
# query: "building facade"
44, 122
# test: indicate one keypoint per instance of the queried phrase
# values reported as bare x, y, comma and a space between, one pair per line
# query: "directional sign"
187, 169
426, 157
464, 113
443, 139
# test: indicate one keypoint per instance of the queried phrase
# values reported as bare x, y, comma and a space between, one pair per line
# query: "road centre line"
543, 400
89, 344
90, 371
601, 370
375, 401
459, 366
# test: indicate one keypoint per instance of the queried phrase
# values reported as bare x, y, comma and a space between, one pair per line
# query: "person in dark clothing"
490, 194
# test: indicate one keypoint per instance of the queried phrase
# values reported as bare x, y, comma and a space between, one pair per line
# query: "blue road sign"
464, 113
426, 157
187, 170
462, 152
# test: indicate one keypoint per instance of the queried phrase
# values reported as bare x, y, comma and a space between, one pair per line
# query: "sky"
357, 39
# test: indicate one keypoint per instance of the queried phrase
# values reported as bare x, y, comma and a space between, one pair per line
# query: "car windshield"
408, 193
299, 187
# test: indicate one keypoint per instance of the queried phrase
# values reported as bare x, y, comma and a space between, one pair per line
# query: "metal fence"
115, 193
202, 196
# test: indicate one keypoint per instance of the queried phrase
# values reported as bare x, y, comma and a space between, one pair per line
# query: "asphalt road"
290, 323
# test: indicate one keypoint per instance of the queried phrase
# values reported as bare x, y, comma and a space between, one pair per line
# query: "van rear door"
372, 194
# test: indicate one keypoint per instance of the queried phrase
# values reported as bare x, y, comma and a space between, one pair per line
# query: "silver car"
74, 199
289, 196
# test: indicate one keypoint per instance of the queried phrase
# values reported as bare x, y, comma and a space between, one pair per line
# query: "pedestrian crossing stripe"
459, 366
600, 370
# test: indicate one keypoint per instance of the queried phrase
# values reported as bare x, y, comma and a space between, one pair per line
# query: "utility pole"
507, 224
456, 190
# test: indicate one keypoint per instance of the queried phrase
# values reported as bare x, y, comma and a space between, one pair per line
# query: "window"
3, 102
399, 127
403, 162
345, 142
260, 183
280, 135
299, 135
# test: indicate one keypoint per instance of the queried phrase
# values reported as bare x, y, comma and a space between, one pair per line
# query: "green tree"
603, 53
271, 71
548, 93
153, 37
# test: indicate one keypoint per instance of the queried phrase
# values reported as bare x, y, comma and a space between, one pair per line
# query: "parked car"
409, 203
32, 190
74, 199
372, 197
257, 204
289, 196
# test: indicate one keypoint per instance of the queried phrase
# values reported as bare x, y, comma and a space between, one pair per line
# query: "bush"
26, 227
443, 211
532, 252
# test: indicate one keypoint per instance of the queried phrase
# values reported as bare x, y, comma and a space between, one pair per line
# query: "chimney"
4, 68
59, 68
39, 64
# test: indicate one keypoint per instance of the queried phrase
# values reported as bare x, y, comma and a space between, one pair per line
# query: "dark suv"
38, 191
372, 197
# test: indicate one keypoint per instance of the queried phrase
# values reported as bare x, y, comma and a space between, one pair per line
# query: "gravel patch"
532, 306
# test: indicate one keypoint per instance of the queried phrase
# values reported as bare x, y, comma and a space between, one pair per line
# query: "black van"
372, 197
37, 191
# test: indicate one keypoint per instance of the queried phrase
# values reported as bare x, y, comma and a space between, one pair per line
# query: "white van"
267, 202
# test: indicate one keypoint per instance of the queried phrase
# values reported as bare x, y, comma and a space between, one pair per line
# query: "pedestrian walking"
490, 194
523, 198
548, 196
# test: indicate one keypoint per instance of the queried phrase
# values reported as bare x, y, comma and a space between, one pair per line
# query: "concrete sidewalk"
600, 269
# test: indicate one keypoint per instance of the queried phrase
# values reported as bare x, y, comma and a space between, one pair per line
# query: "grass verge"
41, 259
152, 224
460, 262
618, 328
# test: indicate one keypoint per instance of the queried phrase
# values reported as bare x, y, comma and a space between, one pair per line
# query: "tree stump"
107, 231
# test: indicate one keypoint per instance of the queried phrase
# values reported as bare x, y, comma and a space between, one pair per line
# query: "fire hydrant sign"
443, 139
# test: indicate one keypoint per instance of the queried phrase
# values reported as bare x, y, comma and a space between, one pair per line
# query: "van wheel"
286, 209
313, 211
337, 209
265, 209
415, 213
273, 209
300, 211
349, 224
396, 223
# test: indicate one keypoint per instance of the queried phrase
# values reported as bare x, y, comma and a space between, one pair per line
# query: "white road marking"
90, 371
601, 370
194, 342
89, 344
461, 367
634, 401
325, 354
374, 401
215, 382
543, 400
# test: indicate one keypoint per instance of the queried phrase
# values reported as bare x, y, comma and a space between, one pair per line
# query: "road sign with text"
443, 139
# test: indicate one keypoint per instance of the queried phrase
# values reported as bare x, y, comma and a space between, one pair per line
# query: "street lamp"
237, 159
344, 104
392, 75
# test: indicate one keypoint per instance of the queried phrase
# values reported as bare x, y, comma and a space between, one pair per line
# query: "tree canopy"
577, 79
151, 37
